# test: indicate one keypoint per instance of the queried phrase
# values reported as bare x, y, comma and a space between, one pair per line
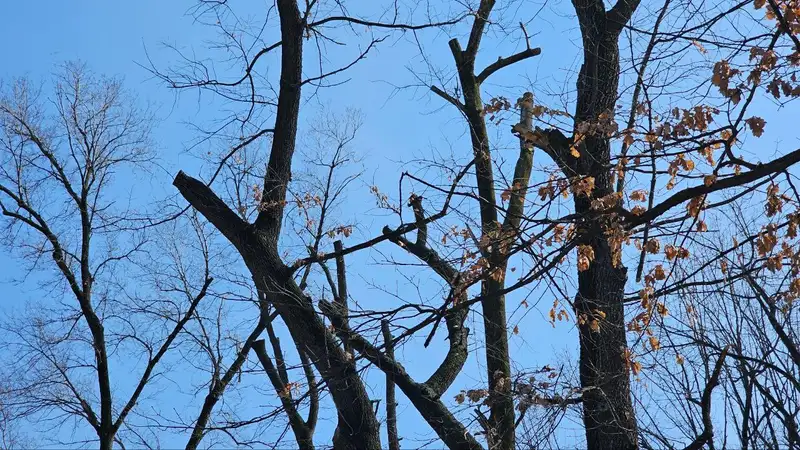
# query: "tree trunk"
608, 413
500, 434
357, 420
607, 409
107, 441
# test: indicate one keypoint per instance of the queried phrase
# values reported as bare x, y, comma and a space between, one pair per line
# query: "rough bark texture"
608, 413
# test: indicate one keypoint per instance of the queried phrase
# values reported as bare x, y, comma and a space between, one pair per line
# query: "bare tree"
662, 110
10, 435
61, 158
600, 226
754, 317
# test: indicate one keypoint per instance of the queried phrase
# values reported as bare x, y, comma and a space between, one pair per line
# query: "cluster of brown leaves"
607, 202
775, 200
585, 257
767, 240
496, 105
650, 307
680, 162
381, 198
789, 8
560, 234
652, 246
696, 205
557, 312
721, 78
583, 186
456, 232
342, 230
508, 192
779, 86
307, 201
616, 235
634, 366
474, 396
683, 122
675, 252
554, 187
638, 195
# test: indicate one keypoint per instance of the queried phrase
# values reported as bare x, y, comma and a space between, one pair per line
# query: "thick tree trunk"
607, 410
107, 441
608, 413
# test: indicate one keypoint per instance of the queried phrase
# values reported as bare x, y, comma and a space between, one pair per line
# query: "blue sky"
398, 126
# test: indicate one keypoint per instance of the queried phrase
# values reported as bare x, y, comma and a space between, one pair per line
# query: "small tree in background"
59, 191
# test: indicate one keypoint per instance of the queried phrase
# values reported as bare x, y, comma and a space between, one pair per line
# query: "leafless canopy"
635, 222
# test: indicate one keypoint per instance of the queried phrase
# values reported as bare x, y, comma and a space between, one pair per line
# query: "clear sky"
112, 38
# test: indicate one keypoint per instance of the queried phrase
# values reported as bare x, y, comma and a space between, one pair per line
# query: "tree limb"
505, 62
705, 404
761, 170
452, 100
620, 14
391, 403
302, 433
446, 426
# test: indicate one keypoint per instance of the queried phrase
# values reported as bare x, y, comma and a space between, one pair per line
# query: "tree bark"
107, 441
391, 405
501, 418
608, 413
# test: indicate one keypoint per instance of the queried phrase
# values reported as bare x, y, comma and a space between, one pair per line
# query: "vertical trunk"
501, 418
107, 441
608, 413
391, 405
96, 328
607, 410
